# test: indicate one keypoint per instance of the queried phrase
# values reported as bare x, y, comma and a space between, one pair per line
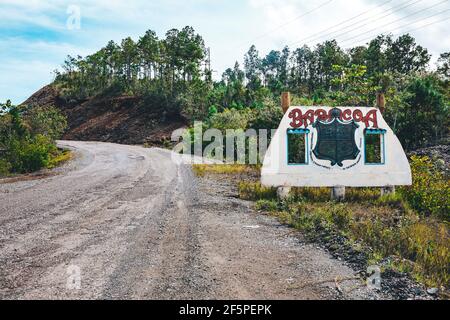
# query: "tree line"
172, 74
311, 72
131, 66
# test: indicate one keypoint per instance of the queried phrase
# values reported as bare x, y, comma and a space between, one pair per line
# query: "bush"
429, 193
418, 246
5, 167
329, 216
428, 246
27, 137
268, 116
47, 121
31, 154
231, 119
267, 205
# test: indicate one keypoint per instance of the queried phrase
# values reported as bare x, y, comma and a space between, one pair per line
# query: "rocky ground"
440, 155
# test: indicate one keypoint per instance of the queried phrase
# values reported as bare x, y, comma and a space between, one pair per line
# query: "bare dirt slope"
123, 119
141, 226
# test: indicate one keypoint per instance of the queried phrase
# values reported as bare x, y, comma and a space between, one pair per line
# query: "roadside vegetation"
27, 138
238, 169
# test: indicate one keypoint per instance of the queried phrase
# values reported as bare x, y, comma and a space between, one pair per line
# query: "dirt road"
136, 225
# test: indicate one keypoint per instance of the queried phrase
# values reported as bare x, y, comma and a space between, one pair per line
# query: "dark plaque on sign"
336, 139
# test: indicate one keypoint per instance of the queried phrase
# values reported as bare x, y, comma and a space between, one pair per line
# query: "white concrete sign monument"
329, 147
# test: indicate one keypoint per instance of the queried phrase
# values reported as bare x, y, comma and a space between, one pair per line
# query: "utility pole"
208, 72
208, 61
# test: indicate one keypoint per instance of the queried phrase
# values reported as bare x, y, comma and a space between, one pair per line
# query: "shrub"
27, 137
428, 246
429, 193
267, 205
30, 154
268, 116
60, 157
47, 121
311, 194
231, 119
5, 167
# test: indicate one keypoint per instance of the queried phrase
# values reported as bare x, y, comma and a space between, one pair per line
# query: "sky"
36, 36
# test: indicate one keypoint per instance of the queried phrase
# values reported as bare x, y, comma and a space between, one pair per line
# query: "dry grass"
60, 158
234, 169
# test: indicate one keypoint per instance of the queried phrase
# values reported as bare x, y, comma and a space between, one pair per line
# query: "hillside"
122, 119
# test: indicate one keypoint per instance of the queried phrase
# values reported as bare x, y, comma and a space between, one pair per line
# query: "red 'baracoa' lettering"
357, 115
371, 116
347, 115
308, 117
296, 116
321, 114
299, 119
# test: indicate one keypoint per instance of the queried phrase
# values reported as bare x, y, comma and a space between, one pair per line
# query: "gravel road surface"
135, 225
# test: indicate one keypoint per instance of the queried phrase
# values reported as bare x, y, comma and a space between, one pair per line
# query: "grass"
59, 158
202, 169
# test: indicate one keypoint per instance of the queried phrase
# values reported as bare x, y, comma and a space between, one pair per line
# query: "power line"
405, 25
343, 22
407, 31
289, 22
410, 15
365, 23
424, 26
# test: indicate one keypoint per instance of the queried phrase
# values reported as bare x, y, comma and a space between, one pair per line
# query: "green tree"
443, 65
252, 67
303, 70
27, 137
328, 54
129, 56
422, 116
148, 46
404, 55
354, 88
47, 121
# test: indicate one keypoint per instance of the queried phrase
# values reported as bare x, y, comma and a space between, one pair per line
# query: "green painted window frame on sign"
304, 133
382, 134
